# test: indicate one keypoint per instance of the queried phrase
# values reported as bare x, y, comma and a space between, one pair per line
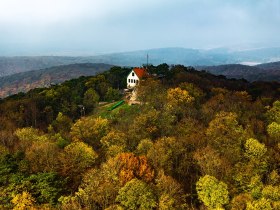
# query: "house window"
133, 74
128, 80
134, 81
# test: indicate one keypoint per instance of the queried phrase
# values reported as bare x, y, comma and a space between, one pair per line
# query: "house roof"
140, 72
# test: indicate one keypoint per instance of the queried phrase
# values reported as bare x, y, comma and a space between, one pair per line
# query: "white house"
135, 76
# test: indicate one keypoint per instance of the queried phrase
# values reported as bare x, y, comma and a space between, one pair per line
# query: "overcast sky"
83, 27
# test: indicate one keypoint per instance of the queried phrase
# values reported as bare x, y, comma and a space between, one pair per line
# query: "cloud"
111, 25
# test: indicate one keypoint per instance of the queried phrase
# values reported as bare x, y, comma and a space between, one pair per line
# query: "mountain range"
20, 74
184, 56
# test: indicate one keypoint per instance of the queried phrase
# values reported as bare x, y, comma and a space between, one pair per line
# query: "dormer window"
133, 74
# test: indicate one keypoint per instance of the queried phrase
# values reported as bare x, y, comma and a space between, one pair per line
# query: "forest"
196, 141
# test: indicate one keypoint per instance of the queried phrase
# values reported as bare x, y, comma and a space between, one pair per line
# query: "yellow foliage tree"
90, 130
179, 97
23, 201
27, 136
77, 157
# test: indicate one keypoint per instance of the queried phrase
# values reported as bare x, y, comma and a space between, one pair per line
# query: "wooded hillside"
196, 141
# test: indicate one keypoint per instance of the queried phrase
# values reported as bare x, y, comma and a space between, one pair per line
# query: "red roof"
140, 72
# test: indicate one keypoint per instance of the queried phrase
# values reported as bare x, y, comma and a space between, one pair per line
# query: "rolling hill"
262, 72
22, 82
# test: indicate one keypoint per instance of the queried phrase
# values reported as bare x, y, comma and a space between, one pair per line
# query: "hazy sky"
81, 27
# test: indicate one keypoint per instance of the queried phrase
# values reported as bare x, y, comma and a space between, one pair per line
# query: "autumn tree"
273, 114
27, 136
144, 146
211, 163
193, 90
178, 97
114, 142
90, 130
250, 171
170, 192
144, 126
170, 155
273, 129
152, 92
23, 201
226, 135
212, 192
98, 188
179, 102
136, 194
76, 158
129, 166
43, 156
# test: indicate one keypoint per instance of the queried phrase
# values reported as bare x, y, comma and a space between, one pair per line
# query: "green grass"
103, 112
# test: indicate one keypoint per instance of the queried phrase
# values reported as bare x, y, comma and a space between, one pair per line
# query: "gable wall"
132, 81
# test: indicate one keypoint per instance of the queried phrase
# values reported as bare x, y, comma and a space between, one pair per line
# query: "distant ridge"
24, 81
173, 55
262, 72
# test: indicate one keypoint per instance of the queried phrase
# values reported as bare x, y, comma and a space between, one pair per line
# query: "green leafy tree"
91, 99
46, 187
136, 194
99, 84
193, 90
62, 124
112, 94
212, 192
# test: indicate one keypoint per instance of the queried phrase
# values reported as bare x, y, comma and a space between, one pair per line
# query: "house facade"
135, 76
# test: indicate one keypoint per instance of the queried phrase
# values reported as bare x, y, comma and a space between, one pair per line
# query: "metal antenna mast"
147, 60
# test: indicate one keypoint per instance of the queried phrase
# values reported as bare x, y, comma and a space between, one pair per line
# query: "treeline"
195, 141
